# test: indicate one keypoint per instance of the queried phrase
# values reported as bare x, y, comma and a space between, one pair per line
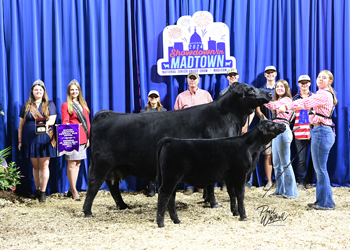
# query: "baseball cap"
270, 68
193, 74
304, 78
232, 70
153, 92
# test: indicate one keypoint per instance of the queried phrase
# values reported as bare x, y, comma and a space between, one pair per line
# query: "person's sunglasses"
232, 75
153, 96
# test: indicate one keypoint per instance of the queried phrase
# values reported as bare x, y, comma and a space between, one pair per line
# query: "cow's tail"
161, 143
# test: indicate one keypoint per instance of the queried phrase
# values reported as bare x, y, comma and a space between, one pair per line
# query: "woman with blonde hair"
153, 105
286, 184
76, 111
39, 147
321, 107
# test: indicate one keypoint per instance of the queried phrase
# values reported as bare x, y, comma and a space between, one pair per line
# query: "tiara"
39, 82
73, 82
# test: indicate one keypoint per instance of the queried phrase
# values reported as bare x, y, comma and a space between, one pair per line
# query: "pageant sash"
67, 139
81, 118
36, 114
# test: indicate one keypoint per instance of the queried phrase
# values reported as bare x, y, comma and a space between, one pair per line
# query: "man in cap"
232, 77
192, 97
270, 74
302, 134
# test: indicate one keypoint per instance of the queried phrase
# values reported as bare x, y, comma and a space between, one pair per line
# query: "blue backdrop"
112, 48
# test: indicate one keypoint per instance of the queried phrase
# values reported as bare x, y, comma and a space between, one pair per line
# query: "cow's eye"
251, 91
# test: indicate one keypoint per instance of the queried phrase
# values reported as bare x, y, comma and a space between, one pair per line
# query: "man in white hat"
302, 134
270, 74
192, 97
232, 77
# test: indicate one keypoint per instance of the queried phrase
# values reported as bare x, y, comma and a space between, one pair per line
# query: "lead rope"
285, 168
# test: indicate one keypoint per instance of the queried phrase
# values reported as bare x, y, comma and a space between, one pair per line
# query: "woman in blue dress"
38, 147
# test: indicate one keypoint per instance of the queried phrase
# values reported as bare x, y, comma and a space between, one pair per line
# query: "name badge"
40, 126
304, 117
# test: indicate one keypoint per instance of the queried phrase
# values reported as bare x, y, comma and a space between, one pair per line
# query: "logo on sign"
196, 44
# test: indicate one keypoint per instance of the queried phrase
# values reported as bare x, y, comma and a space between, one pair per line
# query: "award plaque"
303, 117
40, 126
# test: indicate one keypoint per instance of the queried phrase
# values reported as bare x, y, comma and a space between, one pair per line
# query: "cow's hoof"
177, 221
160, 225
151, 194
123, 207
88, 216
216, 205
235, 213
243, 219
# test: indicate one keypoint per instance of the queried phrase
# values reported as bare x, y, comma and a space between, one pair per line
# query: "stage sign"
196, 44
68, 139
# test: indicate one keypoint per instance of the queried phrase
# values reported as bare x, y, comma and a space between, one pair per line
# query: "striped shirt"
303, 133
321, 102
186, 99
276, 104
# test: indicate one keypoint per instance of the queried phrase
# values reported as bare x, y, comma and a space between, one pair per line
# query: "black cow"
126, 144
202, 162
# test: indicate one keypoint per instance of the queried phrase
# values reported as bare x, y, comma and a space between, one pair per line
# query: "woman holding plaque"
76, 111
153, 105
36, 138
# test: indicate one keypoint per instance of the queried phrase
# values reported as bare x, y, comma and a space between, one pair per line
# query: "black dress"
36, 146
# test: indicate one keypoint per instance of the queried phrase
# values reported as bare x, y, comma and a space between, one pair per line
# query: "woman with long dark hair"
286, 184
38, 147
76, 111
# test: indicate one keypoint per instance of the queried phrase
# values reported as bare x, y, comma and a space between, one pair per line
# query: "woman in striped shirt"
286, 184
322, 136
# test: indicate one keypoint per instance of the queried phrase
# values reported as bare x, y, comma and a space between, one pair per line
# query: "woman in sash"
38, 147
286, 184
76, 111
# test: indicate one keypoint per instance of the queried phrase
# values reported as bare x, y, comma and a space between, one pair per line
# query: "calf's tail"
161, 143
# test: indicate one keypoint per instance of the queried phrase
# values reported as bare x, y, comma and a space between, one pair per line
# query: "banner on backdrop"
196, 44
68, 139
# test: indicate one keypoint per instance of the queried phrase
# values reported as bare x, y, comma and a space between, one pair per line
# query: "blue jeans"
302, 160
286, 184
189, 187
322, 140
250, 182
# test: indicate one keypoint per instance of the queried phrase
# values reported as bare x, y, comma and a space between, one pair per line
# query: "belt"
318, 124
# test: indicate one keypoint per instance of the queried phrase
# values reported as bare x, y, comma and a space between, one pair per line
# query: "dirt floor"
59, 223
